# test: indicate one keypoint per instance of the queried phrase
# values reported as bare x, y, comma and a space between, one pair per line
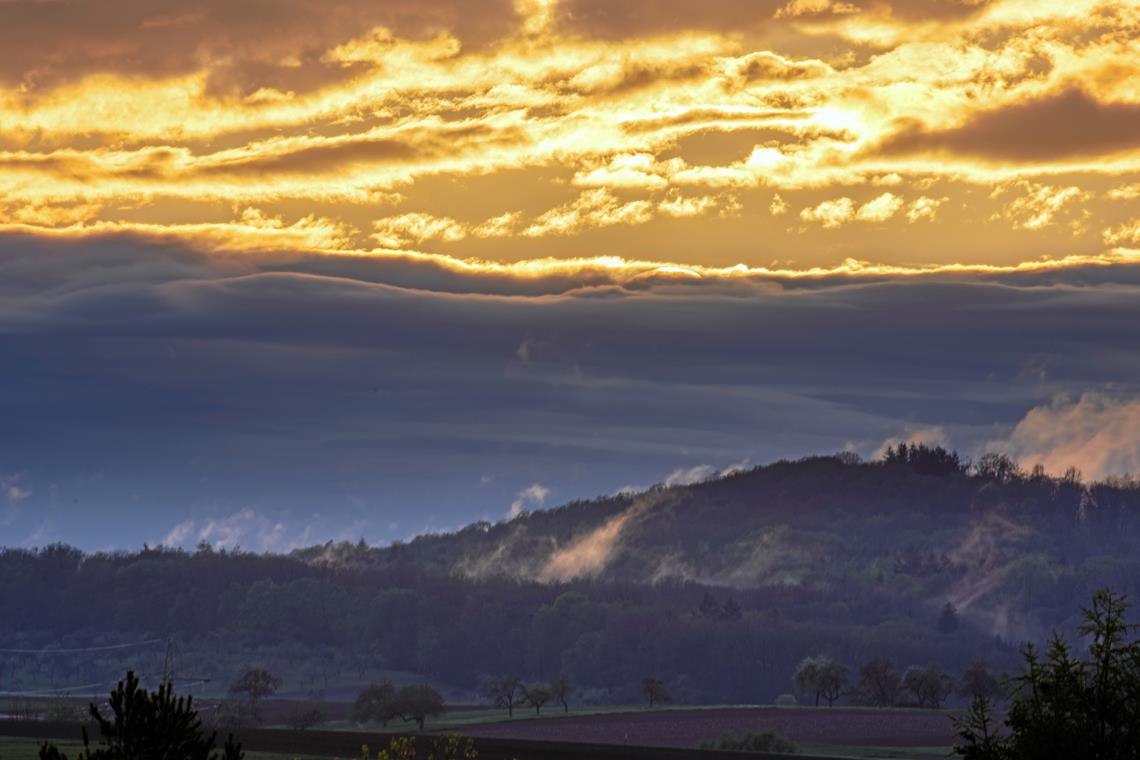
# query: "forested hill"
1009, 550
719, 588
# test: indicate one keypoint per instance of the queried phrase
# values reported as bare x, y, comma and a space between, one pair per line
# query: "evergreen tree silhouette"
146, 726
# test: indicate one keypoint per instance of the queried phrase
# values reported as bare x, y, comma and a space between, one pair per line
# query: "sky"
280, 272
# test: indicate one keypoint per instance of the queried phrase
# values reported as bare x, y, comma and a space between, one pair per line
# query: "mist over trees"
719, 589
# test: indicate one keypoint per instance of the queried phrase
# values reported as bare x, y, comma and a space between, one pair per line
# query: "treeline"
719, 589
323, 628
879, 684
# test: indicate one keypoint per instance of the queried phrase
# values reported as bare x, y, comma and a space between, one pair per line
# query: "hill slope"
1014, 554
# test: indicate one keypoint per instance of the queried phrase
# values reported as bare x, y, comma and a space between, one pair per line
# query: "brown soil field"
686, 728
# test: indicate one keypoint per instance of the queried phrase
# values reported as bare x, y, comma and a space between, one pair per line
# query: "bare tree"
879, 683
506, 692
821, 677
929, 686
536, 695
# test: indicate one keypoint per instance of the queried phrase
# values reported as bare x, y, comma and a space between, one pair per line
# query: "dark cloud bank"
146, 385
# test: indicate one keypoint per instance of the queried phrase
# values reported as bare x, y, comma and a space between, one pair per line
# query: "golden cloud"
584, 116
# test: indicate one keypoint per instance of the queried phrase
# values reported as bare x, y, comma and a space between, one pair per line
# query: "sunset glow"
795, 135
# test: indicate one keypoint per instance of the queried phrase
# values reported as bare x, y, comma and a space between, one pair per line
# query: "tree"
536, 695
979, 682
375, 703
806, 678
418, 703
878, 684
560, 690
948, 619
655, 691
979, 733
998, 467
926, 460
147, 726
833, 681
821, 677
256, 683
1065, 707
506, 692
929, 687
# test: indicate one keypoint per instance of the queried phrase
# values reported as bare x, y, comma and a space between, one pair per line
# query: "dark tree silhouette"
948, 619
928, 687
147, 726
926, 460
1065, 707
560, 690
375, 703
979, 682
256, 683
536, 696
821, 677
655, 691
506, 692
878, 684
999, 467
418, 703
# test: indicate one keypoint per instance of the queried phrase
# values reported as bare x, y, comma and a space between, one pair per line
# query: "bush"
230, 714
766, 741
786, 700
305, 716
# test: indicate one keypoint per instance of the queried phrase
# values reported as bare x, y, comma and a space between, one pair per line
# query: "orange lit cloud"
533, 129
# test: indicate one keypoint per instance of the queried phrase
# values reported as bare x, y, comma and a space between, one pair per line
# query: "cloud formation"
597, 241
1097, 433
364, 385
531, 129
533, 497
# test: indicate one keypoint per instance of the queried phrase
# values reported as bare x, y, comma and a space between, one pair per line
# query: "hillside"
720, 588
1011, 551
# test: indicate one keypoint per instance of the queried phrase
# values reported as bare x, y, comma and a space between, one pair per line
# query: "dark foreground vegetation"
1067, 706
894, 578
145, 726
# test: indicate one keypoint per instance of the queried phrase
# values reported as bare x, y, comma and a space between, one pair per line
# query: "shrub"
765, 741
305, 716
786, 700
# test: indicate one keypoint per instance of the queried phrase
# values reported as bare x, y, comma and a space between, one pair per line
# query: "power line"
53, 692
107, 648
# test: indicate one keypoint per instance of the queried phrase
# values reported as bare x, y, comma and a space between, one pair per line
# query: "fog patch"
589, 555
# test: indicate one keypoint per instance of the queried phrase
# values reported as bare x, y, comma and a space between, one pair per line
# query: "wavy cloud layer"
521, 130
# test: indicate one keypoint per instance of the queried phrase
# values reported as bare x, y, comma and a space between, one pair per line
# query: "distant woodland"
721, 590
